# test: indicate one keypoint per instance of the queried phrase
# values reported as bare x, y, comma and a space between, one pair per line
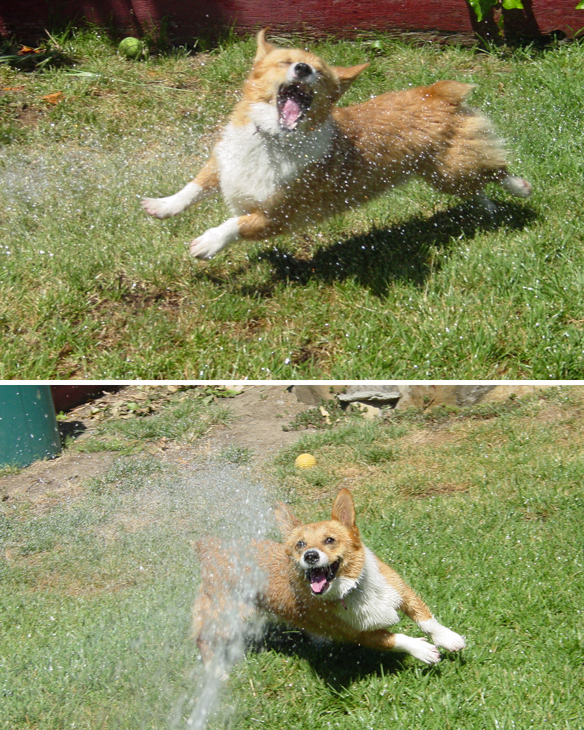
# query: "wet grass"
97, 595
481, 512
414, 285
83, 644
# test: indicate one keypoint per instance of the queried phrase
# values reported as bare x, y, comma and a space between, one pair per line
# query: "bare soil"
259, 415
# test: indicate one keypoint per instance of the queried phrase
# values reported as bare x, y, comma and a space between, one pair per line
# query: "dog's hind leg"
473, 157
203, 186
516, 186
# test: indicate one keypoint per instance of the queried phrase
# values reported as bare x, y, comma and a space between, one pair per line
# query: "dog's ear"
263, 46
344, 509
346, 75
285, 519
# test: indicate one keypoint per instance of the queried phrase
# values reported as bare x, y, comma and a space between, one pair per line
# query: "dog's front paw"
424, 651
173, 204
217, 672
215, 239
449, 640
206, 246
158, 207
418, 647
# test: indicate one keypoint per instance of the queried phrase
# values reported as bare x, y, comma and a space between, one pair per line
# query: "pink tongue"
318, 582
290, 113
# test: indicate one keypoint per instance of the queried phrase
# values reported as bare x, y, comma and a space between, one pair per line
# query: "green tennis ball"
131, 48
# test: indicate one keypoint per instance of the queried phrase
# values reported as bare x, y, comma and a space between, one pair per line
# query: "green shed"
28, 425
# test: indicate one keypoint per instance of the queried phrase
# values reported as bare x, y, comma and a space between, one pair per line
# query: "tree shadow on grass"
401, 253
339, 665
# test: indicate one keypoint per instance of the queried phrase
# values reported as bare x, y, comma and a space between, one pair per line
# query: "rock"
372, 394
369, 412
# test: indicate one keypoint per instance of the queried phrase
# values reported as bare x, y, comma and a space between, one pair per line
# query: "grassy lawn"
412, 286
480, 509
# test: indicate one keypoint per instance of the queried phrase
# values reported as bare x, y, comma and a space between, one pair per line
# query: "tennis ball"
305, 461
131, 48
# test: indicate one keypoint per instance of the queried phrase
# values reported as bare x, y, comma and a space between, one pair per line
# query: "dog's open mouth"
293, 101
321, 578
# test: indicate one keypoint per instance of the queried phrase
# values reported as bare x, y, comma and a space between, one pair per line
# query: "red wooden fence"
187, 19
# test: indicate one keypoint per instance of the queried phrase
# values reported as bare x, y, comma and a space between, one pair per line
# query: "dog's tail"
454, 92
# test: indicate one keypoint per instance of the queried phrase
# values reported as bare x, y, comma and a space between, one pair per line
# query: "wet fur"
360, 603
277, 179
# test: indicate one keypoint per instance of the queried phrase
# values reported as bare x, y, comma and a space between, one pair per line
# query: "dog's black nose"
311, 557
302, 70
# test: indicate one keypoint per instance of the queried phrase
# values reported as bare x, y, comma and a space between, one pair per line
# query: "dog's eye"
300, 544
329, 540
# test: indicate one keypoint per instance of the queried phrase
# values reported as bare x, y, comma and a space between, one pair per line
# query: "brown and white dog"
289, 157
323, 580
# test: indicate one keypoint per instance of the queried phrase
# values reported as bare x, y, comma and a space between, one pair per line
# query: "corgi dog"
321, 579
289, 156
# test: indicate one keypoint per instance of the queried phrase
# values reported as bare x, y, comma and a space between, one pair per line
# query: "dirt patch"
28, 116
54, 481
259, 415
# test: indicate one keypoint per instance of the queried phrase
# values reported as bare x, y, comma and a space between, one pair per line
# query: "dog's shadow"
403, 252
338, 665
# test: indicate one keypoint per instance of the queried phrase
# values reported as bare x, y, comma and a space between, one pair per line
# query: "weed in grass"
378, 454
8, 469
183, 423
48, 54
236, 454
327, 415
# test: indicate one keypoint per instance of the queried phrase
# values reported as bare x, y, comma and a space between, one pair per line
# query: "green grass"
480, 509
482, 513
183, 418
412, 286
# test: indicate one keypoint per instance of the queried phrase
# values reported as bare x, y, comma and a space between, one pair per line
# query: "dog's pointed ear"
346, 75
344, 509
263, 46
285, 519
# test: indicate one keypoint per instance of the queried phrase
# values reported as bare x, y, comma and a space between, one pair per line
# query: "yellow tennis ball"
305, 461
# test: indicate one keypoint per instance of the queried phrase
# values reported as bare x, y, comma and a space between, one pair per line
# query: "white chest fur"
254, 164
373, 603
